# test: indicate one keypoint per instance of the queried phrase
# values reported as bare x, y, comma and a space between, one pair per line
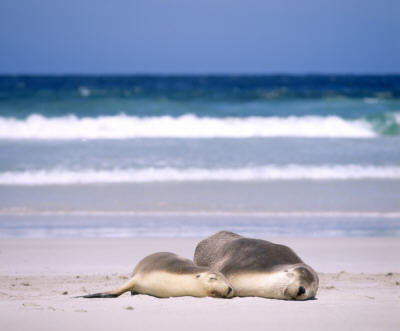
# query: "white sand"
360, 288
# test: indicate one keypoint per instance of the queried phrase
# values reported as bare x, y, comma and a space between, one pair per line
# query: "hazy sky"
199, 36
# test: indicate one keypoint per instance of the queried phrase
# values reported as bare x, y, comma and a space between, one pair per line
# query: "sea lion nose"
301, 291
229, 290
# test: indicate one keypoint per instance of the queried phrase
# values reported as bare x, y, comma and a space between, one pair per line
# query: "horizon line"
198, 74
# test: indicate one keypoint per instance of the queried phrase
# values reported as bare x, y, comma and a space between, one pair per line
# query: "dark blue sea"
272, 155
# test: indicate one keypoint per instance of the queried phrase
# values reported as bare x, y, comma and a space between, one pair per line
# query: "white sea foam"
397, 118
266, 173
194, 213
186, 126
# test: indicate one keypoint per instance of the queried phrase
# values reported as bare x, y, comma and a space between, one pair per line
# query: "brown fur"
250, 255
249, 264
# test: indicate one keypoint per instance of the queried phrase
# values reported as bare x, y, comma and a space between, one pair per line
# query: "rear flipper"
99, 295
128, 286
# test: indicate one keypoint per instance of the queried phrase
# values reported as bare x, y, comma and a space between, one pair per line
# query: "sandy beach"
134, 127
360, 288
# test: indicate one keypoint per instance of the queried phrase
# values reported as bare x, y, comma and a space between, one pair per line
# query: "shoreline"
170, 225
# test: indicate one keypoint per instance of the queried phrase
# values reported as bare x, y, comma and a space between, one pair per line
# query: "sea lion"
257, 267
166, 275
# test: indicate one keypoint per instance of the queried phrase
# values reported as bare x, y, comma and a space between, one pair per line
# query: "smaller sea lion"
166, 275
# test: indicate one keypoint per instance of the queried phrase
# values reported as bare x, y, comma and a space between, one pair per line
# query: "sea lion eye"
213, 278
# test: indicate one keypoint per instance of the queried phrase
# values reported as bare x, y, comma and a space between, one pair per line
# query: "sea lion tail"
128, 286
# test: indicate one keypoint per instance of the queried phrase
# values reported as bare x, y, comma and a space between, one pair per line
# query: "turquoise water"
309, 148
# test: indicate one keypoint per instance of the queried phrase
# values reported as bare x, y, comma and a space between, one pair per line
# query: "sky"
207, 36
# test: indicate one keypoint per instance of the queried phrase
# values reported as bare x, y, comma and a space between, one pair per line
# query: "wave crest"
187, 126
266, 173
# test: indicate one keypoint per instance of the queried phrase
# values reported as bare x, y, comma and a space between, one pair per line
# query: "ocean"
175, 156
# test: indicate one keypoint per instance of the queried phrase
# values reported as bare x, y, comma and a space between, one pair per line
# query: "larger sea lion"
169, 275
257, 267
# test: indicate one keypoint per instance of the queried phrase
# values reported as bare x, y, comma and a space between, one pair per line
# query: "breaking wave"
145, 175
189, 126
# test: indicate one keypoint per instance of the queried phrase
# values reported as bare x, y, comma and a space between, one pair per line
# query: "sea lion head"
302, 282
215, 284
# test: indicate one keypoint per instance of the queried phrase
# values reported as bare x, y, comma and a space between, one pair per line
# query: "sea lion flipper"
99, 295
114, 293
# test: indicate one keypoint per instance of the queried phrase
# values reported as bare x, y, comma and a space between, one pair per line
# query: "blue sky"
207, 36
